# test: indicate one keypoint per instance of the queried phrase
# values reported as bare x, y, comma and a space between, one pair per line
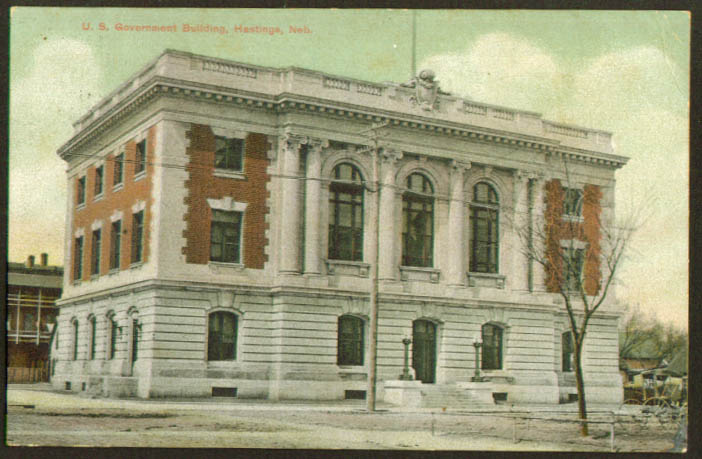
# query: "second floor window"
418, 222
225, 236
80, 191
137, 236
229, 153
572, 202
115, 244
140, 159
95, 254
118, 175
484, 236
78, 258
346, 214
99, 172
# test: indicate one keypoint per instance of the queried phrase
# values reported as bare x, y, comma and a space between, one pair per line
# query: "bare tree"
645, 332
580, 251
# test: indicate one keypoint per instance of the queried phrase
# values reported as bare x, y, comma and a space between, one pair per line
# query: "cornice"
288, 103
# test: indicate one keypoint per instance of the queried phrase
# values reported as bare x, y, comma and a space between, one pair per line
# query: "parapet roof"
268, 88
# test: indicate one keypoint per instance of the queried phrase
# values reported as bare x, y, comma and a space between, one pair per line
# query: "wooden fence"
27, 375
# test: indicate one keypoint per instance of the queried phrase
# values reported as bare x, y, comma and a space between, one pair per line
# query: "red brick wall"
557, 230
123, 200
202, 184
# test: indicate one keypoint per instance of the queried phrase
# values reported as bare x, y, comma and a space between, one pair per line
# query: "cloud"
641, 96
61, 85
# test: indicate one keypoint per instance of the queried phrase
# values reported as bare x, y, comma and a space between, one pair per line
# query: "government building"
224, 218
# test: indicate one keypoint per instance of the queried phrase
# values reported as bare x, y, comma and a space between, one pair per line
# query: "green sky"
626, 72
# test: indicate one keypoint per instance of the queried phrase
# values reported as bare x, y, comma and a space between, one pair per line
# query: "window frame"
99, 185
78, 258
118, 171
355, 190
573, 202
137, 249
80, 190
228, 154
222, 226
424, 199
112, 335
95, 252
140, 159
92, 320
567, 351
355, 355
220, 354
488, 211
497, 350
115, 244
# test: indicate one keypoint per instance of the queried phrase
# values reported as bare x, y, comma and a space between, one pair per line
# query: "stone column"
456, 269
290, 204
313, 187
386, 244
518, 278
537, 229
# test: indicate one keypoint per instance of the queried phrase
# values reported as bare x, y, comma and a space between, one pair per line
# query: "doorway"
424, 350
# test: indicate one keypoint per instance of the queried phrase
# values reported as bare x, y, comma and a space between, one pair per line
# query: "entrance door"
424, 350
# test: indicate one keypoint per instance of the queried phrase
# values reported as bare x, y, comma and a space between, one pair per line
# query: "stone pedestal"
403, 393
479, 392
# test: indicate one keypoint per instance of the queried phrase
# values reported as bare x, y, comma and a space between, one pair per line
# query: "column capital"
390, 155
316, 145
460, 166
293, 142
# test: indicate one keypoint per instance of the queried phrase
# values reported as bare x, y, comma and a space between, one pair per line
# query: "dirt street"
58, 419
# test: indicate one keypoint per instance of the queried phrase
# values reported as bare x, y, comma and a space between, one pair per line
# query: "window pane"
350, 341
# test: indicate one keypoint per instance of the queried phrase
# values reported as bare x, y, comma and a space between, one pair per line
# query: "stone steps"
450, 397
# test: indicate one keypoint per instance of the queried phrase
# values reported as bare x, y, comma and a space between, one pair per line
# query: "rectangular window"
119, 169
137, 236
573, 261
225, 236
140, 160
114, 330
29, 321
80, 191
95, 254
115, 244
229, 153
567, 349
99, 172
573, 202
492, 347
93, 332
78, 259
135, 340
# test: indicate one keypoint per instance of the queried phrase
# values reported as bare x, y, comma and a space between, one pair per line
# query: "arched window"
350, 341
112, 335
346, 214
75, 339
93, 330
222, 336
418, 222
484, 237
567, 349
492, 347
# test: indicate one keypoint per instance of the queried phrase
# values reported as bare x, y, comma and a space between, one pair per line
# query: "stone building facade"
222, 221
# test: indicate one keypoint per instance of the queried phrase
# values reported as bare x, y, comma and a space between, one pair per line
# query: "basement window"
224, 391
355, 395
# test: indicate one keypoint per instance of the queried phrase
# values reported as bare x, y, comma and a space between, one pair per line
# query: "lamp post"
406, 376
477, 378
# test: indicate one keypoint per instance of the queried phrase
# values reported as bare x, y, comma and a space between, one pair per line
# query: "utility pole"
374, 274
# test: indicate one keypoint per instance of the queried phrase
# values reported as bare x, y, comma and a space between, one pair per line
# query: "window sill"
573, 218
136, 265
80, 205
493, 280
420, 274
98, 197
117, 187
221, 364
113, 271
217, 266
76, 283
347, 268
139, 176
230, 174
94, 277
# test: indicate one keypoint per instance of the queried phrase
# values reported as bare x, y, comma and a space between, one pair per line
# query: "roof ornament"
427, 90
